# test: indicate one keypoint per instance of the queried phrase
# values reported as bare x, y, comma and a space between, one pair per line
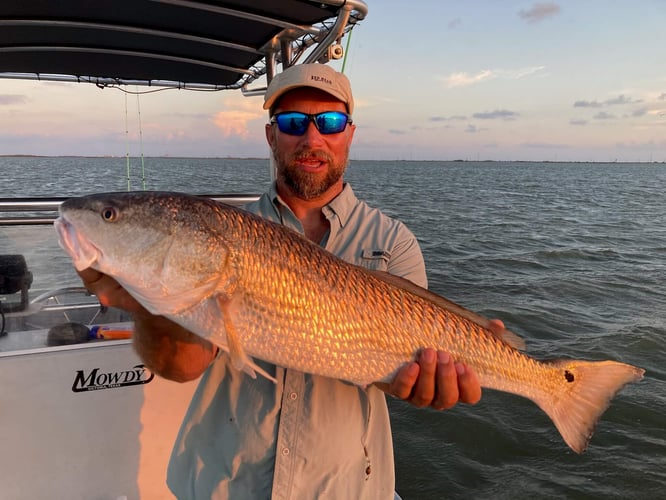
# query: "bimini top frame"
195, 44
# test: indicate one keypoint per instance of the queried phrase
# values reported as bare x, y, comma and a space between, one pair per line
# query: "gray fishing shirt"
307, 436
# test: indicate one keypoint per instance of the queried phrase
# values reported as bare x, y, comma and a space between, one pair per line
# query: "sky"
579, 80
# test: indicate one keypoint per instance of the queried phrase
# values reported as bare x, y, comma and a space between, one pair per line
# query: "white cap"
315, 75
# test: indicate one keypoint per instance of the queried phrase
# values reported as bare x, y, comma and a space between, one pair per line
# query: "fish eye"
109, 214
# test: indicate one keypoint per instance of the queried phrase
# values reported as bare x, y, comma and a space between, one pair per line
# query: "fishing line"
152, 91
344, 59
143, 168
127, 147
127, 143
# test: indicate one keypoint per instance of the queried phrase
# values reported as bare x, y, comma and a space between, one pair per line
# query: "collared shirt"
306, 436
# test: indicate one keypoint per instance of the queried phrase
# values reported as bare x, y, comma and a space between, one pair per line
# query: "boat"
81, 417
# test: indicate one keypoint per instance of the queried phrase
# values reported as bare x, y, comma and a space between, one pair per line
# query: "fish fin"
168, 305
239, 359
585, 392
506, 336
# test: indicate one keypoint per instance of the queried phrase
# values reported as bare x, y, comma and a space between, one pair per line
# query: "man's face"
311, 165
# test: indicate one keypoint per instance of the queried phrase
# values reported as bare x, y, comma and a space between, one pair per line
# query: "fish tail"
585, 389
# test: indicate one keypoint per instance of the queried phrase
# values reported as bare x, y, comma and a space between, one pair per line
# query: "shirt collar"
274, 196
341, 206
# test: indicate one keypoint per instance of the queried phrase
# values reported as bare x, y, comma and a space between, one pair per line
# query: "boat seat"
14, 278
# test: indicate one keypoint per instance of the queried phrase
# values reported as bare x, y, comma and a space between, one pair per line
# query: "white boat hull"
52, 448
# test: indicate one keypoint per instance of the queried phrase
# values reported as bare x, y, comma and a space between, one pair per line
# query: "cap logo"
321, 79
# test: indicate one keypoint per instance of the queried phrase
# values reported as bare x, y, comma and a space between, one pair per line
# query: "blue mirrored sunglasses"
295, 123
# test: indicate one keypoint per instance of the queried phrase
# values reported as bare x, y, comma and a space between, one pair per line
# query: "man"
305, 436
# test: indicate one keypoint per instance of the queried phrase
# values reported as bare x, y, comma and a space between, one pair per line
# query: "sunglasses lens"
292, 123
295, 123
331, 122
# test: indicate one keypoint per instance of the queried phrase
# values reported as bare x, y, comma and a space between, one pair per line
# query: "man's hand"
166, 348
108, 291
435, 380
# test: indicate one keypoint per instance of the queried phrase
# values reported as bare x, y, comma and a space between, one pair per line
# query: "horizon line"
457, 160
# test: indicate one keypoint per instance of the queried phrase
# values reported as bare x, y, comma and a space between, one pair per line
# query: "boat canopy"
196, 44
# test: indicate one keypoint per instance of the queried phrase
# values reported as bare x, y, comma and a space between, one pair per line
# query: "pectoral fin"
239, 360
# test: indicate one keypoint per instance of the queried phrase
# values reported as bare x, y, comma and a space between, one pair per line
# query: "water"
570, 256
573, 258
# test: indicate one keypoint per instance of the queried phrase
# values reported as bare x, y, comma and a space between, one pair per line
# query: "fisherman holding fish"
303, 436
329, 318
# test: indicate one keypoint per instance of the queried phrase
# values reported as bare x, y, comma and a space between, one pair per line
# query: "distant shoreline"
353, 159
133, 157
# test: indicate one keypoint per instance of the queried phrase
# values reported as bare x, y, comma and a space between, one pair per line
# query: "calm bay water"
570, 256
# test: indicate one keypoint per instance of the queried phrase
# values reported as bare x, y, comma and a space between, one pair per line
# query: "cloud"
615, 101
463, 79
658, 112
473, 129
233, 121
522, 72
602, 115
9, 99
587, 104
446, 118
575, 121
503, 114
176, 135
621, 99
539, 11
662, 97
396, 131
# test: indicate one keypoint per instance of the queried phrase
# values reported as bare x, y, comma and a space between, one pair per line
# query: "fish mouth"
83, 253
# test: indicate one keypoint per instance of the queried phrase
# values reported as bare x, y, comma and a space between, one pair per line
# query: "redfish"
258, 289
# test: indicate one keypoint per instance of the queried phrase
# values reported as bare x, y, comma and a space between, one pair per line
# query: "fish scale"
258, 289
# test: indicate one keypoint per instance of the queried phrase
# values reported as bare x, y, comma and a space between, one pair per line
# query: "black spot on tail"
569, 376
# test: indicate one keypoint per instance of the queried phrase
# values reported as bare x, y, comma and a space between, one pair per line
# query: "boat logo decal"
96, 379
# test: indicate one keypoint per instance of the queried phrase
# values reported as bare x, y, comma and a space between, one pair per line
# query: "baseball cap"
315, 75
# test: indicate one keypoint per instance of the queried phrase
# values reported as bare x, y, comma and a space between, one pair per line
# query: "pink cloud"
235, 122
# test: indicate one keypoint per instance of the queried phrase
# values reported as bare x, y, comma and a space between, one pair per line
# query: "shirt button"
285, 451
293, 396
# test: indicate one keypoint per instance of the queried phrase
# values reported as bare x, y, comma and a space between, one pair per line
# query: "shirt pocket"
375, 259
